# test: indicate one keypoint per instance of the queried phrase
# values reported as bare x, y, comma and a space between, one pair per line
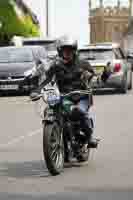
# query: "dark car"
18, 62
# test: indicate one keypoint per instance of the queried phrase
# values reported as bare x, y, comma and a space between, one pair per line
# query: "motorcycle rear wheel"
53, 148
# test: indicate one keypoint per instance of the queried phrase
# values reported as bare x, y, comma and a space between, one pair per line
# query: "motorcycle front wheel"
53, 148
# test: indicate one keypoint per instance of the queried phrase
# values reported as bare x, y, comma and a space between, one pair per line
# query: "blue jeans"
83, 105
84, 115
88, 119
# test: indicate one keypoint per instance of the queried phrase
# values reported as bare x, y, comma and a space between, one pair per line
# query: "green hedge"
13, 24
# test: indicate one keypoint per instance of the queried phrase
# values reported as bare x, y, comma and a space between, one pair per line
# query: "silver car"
111, 57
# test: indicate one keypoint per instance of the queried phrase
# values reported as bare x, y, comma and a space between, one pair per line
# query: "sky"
70, 17
67, 16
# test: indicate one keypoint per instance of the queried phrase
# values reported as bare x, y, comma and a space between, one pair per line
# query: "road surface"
108, 175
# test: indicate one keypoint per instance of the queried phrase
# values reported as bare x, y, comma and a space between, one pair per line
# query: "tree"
16, 19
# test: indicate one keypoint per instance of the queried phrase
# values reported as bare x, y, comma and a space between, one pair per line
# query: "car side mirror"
129, 56
38, 62
53, 81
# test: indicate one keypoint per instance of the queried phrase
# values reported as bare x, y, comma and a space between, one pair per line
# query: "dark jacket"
67, 76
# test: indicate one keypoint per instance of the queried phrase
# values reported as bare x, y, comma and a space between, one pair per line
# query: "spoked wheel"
53, 148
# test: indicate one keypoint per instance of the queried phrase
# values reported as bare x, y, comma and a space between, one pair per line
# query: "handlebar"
77, 91
37, 97
82, 92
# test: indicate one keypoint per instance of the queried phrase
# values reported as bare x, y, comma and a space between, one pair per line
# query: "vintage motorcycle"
62, 136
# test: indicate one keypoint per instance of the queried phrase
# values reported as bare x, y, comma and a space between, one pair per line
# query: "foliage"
13, 23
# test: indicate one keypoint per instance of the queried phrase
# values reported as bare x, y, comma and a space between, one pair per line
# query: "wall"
108, 24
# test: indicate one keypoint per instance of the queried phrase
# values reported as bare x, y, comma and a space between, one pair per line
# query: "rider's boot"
90, 141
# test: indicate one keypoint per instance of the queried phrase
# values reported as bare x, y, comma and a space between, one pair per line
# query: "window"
96, 54
118, 54
15, 55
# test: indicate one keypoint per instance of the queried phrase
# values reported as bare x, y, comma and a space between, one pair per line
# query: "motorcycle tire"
53, 148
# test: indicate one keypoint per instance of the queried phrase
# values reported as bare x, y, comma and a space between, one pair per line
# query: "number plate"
8, 87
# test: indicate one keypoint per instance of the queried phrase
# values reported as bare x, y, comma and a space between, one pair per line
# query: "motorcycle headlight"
53, 99
30, 72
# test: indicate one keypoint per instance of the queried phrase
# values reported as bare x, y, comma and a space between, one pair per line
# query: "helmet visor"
67, 53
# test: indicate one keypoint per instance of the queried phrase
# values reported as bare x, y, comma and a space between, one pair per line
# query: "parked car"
18, 62
48, 42
130, 57
111, 56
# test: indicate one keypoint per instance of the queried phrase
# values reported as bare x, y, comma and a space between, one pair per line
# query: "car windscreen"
96, 54
16, 55
49, 45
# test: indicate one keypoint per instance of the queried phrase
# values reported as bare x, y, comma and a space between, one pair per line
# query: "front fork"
69, 141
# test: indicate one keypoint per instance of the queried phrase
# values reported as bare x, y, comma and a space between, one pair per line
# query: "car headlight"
30, 72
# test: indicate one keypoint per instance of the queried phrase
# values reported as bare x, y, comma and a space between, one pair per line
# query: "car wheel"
124, 86
132, 68
130, 83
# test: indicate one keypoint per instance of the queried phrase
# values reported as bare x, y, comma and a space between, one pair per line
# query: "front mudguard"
49, 116
49, 119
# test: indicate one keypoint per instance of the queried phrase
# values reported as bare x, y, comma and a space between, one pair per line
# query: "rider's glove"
86, 75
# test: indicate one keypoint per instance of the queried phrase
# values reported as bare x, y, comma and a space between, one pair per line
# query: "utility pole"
90, 4
47, 17
101, 3
118, 4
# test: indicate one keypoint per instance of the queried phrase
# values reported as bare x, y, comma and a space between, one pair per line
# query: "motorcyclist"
70, 74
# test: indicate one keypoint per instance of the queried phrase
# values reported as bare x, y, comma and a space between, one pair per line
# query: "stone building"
109, 23
127, 41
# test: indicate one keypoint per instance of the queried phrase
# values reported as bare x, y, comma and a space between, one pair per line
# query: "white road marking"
19, 139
